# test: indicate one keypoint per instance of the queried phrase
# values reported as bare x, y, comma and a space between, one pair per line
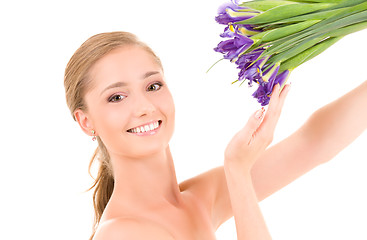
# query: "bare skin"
240, 156
147, 202
146, 191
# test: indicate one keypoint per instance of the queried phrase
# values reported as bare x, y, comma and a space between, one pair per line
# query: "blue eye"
155, 86
116, 98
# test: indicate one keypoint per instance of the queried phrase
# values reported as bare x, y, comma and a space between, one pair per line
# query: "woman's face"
130, 106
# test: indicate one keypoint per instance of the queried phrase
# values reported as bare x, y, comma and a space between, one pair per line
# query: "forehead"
123, 64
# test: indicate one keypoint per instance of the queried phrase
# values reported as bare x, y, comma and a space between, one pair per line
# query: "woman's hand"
240, 155
250, 142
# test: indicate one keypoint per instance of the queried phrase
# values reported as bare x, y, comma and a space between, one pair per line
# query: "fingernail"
260, 113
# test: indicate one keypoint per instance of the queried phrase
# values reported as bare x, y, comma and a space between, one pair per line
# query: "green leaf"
347, 3
297, 49
265, 4
308, 54
349, 29
328, 16
283, 12
310, 16
312, 32
318, 1
281, 32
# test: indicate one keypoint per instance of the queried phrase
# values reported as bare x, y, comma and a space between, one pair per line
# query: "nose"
143, 106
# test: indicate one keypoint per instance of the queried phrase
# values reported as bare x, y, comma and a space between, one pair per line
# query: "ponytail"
103, 184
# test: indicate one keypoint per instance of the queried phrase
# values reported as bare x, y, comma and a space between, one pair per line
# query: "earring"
94, 137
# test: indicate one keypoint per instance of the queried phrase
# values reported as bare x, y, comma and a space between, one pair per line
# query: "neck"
146, 183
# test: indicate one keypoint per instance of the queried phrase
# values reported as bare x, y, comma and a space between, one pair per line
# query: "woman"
116, 91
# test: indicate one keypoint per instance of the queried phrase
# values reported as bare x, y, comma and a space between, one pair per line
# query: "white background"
45, 156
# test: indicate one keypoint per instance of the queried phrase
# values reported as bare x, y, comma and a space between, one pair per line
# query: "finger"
284, 94
252, 124
277, 98
274, 99
275, 107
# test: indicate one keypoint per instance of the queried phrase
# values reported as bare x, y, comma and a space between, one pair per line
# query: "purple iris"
237, 28
224, 18
231, 48
248, 69
252, 67
264, 90
252, 73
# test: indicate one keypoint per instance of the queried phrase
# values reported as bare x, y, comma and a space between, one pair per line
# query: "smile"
148, 128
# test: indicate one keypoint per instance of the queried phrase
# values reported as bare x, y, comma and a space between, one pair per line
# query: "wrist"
237, 167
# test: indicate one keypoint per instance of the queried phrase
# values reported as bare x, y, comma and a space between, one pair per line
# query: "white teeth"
145, 128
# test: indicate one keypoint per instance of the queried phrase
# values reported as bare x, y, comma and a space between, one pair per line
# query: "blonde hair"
77, 83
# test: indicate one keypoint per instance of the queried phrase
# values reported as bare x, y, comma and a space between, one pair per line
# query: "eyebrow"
148, 74
122, 84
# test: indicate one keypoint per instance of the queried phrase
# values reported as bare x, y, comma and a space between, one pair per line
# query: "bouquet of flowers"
267, 39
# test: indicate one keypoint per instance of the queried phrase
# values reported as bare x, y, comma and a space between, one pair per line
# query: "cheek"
111, 122
168, 107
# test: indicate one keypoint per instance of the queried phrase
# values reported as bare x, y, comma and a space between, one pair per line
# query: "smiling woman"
89, 71
116, 91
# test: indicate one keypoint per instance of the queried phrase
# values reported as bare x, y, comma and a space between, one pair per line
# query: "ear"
84, 121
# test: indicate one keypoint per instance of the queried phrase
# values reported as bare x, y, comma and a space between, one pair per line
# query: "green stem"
291, 52
349, 20
279, 45
214, 64
311, 16
308, 54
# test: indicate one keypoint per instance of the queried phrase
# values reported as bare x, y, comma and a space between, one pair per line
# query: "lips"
148, 127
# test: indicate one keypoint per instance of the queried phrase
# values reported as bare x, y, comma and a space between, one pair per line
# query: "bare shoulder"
130, 228
210, 188
204, 181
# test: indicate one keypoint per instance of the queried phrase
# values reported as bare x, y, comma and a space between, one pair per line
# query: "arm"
336, 125
249, 221
327, 132
240, 155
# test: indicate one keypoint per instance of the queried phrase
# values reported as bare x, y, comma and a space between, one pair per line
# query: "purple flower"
233, 47
245, 60
265, 89
252, 73
225, 18
245, 30
281, 78
248, 30
248, 69
253, 68
228, 33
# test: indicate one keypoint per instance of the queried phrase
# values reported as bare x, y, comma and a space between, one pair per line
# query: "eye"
116, 98
155, 86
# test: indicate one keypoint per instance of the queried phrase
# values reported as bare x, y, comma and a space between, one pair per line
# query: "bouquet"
267, 39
